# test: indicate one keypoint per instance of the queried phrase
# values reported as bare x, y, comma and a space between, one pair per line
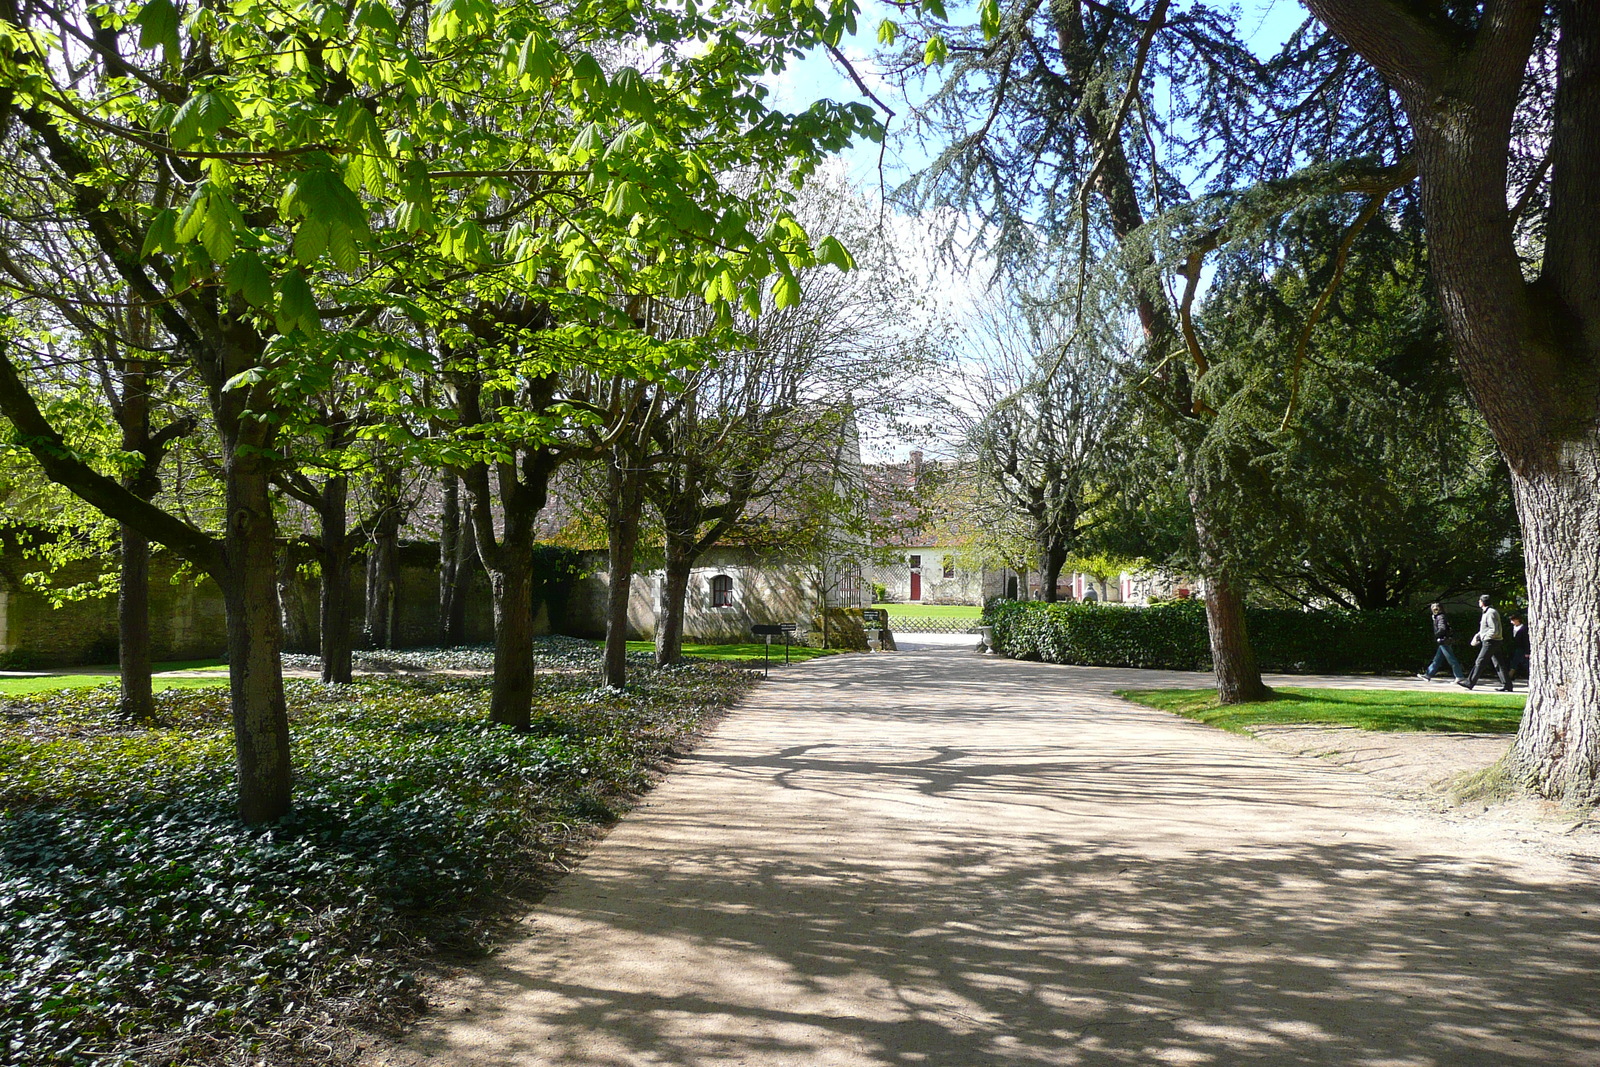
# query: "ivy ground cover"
141, 923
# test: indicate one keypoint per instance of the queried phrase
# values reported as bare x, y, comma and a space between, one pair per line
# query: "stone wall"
187, 620
765, 590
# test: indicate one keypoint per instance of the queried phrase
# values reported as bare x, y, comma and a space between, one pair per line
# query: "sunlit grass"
1365, 709
741, 653
931, 611
43, 683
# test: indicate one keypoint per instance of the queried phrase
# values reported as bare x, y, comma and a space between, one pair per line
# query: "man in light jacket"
1491, 642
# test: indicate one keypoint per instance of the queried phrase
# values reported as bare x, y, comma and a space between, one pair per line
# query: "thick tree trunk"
674, 602
336, 635
1557, 750
511, 703
250, 593
137, 702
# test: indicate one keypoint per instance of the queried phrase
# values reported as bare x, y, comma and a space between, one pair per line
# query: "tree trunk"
455, 550
622, 534
382, 574
674, 602
511, 703
1530, 352
250, 593
297, 630
1052, 557
1557, 750
137, 703
137, 699
1233, 660
334, 614
1232, 657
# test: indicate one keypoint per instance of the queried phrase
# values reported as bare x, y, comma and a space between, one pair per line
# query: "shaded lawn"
741, 653
1365, 709
931, 611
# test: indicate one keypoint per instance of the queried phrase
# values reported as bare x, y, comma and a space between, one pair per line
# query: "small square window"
949, 566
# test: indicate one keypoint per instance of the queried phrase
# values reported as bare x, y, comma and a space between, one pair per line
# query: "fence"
930, 624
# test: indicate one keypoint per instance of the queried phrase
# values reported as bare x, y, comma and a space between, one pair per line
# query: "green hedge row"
1173, 636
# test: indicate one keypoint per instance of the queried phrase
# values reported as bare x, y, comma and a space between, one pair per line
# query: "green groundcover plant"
140, 922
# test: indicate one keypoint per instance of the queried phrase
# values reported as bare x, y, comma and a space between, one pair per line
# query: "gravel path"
942, 859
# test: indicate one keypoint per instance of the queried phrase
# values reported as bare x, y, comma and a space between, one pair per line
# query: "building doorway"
916, 578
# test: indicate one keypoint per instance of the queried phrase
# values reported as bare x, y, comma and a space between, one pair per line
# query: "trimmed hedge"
1173, 636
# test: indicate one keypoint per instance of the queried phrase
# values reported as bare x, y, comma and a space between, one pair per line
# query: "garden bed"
143, 924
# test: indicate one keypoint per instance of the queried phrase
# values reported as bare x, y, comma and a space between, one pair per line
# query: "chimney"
916, 465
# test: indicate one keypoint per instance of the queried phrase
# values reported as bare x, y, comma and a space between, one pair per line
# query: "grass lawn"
41, 683
932, 611
740, 653
1366, 709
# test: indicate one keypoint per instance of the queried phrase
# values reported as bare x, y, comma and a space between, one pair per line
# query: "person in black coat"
1444, 640
1520, 645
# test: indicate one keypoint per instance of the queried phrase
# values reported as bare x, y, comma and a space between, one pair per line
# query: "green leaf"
588, 79
888, 30
624, 200
185, 129
376, 16
831, 251
248, 276
989, 19
751, 302
343, 249
310, 240
216, 232
785, 291
252, 376
935, 53
216, 111
297, 307
936, 9
194, 214
158, 27
589, 141
536, 59
162, 233
632, 92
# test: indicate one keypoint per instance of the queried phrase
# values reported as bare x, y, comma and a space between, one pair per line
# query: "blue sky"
1265, 23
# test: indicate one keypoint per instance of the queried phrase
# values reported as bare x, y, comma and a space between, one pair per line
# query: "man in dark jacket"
1445, 639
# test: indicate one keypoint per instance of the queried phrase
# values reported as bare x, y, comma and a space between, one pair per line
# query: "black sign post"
874, 621
769, 631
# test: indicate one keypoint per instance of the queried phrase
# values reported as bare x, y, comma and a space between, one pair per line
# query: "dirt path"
951, 860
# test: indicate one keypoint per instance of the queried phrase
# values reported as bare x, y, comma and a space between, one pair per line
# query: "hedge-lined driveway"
961, 860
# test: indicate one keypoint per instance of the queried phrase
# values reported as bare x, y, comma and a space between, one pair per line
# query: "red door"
916, 577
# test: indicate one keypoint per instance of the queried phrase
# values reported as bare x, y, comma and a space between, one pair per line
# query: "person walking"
1521, 646
1491, 640
1445, 652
